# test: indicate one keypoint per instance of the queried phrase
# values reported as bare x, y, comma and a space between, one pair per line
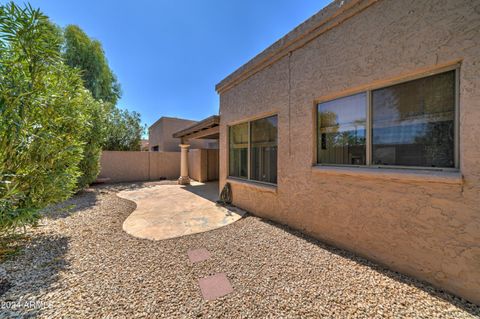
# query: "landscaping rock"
80, 264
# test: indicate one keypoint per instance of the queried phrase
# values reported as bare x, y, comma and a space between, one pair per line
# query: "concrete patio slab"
169, 211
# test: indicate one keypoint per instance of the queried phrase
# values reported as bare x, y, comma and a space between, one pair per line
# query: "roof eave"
209, 122
327, 18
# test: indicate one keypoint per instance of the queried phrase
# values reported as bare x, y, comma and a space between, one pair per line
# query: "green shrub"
86, 54
52, 129
93, 137
123, 131
47, 118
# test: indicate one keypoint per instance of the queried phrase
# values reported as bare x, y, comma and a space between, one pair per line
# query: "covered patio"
188, 207
208, 128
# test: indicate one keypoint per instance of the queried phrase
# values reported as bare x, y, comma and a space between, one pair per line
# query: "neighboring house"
161, 140
360, 128
144, 147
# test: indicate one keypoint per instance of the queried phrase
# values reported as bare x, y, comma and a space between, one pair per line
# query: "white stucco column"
184, 179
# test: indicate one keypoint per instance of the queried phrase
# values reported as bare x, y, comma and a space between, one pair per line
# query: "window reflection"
341, 125
413, 123
264, 150
238, 146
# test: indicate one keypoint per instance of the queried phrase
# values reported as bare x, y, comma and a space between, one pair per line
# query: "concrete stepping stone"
215, 286
198, 255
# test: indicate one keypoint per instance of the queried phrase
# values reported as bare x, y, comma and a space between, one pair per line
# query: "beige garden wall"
426, 227
203, 164
139, 166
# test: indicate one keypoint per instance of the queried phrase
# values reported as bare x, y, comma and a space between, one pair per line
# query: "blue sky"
169, 54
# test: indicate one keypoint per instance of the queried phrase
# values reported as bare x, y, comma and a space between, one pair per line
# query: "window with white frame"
253, 150
411, 124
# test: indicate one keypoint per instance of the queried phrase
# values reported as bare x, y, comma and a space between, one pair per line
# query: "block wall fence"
119, 166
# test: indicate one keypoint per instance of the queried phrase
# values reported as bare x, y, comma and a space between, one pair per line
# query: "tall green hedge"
51, 128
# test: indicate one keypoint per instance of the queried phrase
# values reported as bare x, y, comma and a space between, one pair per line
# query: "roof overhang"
205, 129
326, 19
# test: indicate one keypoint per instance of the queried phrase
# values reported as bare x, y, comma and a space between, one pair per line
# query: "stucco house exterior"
144, 147
360, 128
160, 135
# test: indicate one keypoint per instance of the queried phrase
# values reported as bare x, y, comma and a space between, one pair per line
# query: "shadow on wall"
424, 286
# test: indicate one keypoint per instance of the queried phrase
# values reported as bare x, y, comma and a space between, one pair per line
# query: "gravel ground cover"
80, 264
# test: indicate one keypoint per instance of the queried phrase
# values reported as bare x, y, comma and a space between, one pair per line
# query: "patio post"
184, 179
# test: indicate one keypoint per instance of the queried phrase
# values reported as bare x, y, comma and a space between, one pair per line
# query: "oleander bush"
57, 112
47, 119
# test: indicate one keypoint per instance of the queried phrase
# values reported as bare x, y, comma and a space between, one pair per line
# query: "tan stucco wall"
197, 168
212, 164
425, 229
160, 133
139, 166
203, 164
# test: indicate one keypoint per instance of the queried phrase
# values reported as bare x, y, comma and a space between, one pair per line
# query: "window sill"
253, 184
407, 175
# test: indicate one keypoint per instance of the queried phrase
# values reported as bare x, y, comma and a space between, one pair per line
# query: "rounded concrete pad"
169, 211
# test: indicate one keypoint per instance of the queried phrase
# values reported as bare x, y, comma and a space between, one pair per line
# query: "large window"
411, 124
263, 150
239, 150
255, 142
342, 130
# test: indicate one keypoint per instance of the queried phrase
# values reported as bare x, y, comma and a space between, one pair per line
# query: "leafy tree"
47, 118
87, 55
124, 131
93, 138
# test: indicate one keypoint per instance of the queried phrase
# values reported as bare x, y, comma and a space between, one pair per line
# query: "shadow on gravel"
83, 200
34, 272
428, 288
116, 187
88, 198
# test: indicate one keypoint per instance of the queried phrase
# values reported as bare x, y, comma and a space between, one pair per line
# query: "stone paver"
215, 286
198, 255
169, 211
